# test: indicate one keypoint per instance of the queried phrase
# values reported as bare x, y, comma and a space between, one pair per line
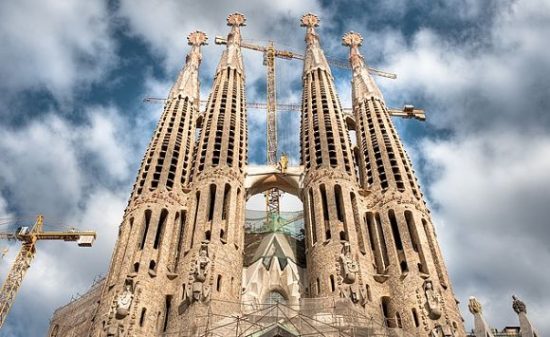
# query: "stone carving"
518, 305
124, 301
115, 330
199, 291
433, 301
441, 331
474, 306
349, 265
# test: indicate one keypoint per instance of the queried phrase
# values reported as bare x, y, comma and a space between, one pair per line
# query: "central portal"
274, 262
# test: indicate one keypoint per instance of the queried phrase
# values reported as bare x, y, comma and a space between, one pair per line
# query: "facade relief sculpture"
433, 300
474, 306
124, 301
199, 290
349, 270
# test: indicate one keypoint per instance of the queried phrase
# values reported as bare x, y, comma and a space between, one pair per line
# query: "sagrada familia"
366, 263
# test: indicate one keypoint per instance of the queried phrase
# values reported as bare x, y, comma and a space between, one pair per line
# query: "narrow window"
219, 283
160, 227
415, 318
312, 222
318, 286
226, 199
183, 291
357, 221
152, 265
167, 305
196, 216
142, 317
212, 202
395, 230
388, 319
415, 240
332, 284
339, 203
382, 241
136, 267
369, 294
182, 218
324, 202
146, 227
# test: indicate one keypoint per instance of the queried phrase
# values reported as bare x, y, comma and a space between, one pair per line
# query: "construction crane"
28, 238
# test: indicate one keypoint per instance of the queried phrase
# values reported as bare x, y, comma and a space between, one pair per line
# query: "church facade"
366, 262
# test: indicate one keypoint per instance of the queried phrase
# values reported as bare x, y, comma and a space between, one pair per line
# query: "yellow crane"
29, 237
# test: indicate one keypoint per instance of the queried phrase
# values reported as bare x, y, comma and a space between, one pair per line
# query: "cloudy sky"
73, 127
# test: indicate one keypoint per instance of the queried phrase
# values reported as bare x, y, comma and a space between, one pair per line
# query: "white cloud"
53, 45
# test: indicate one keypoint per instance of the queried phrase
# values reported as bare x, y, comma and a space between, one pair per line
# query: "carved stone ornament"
115, 330
433, 301
124, 301
441, 331
199, 291
518, 305
350, 267
474, 306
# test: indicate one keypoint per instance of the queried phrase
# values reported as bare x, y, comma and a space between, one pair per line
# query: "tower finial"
236, 19
309, 20
352, 39
197, 38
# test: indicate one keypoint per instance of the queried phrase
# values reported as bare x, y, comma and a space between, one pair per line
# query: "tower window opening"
146, 227
339, 203
196, 215
212, 203
160, 227
152, 265
415, 318
167, 305
136, 267
207, 235
142, 317
325, 211
357, 221
388, 318
395, 230
311, 213
219, 283
318, 286
182, 219
332, 284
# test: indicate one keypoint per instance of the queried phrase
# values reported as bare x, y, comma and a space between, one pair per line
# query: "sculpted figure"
474, 306
124, 301
199, 291
518, 305
349, 266
433, 301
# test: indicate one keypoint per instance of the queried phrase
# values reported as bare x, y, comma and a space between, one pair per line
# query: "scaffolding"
329, 317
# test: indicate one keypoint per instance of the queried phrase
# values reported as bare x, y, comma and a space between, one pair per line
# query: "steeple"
231, 57
187, 84
363, 83
386, 164
314, 56
404, 248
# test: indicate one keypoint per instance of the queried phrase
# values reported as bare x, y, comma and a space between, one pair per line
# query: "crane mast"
272, 196
26, 254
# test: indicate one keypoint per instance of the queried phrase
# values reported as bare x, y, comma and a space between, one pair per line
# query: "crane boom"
26, 254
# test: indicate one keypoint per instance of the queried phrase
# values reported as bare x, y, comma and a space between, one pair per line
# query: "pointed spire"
232, 57
362, 83
187, 83
314, 56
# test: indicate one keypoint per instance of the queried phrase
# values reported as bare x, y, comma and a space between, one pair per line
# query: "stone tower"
412, 278
211, 269
136, 292
330, 191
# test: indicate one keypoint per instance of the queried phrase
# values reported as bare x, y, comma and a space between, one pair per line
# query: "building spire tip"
197, 38
236, 19
309, 20
352, 39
